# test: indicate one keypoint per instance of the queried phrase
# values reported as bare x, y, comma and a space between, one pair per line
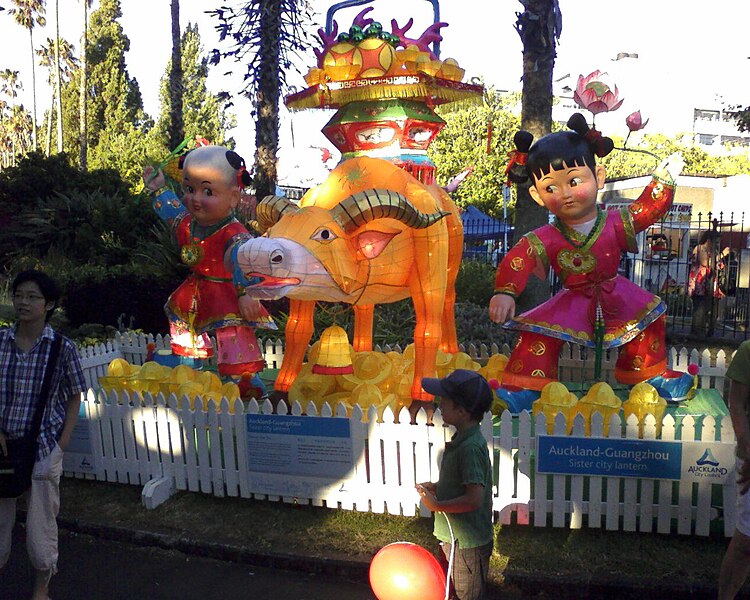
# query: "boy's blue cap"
466, 388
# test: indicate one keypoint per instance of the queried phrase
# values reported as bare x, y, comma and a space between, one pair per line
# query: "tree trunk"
48, 148
33, 93
267, 100
536, 118
176, 131
82, 96
58, 103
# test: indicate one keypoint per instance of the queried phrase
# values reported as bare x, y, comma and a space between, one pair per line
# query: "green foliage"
114, 104
85, 227
475, 282
201, 113
743, 118
463, 142
638, 159
45, 202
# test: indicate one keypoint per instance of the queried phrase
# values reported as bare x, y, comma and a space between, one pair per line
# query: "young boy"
462, 497
735, 565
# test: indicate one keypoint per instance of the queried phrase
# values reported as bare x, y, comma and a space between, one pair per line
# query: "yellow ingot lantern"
644, 400
555, 399
334, 356
600, 398
308, 386
494, 367
369, 367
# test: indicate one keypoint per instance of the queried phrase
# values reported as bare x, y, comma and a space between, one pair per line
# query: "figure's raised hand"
153, 179
502, 308
670, 168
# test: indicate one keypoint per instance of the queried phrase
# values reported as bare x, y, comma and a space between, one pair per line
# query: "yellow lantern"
555, 399
369, 367
644, 400
334, 357
600, 398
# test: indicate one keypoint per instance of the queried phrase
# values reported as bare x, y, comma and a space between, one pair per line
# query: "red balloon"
405, 571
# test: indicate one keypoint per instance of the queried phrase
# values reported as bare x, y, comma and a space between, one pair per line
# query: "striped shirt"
21, 375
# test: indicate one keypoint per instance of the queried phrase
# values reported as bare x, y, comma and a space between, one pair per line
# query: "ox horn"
269, 211
360, 208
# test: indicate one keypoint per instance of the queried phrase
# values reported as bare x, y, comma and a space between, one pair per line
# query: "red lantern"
406, 571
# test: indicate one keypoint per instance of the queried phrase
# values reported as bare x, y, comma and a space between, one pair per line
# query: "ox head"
313, 253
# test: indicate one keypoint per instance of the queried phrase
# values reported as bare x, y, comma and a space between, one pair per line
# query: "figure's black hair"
554, 151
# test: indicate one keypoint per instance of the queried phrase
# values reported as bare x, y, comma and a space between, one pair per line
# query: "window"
706, 139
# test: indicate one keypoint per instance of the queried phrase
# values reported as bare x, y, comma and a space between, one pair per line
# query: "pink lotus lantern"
635, 122
595, 94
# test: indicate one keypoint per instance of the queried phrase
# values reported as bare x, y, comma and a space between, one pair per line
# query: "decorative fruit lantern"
385, 86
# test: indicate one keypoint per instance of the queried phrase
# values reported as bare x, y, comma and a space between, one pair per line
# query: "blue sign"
609, 457
305, 446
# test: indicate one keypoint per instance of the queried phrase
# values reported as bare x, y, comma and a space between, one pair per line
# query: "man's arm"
470, 500
71, 416
738, 400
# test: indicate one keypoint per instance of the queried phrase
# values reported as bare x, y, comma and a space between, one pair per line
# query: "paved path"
99, 569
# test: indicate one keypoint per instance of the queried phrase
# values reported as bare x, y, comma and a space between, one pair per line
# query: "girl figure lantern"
207, 232
583, 246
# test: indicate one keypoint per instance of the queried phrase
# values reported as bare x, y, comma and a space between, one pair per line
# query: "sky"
690, 53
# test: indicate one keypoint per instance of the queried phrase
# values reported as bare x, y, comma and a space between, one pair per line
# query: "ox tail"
361, 208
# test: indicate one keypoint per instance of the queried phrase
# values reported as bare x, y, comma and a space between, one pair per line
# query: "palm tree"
176, 131
267, 33
61, 54
28, 14
58, 104
539, 27
10, 83
82, 131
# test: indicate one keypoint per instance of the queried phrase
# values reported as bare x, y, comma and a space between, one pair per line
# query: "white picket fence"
155, 443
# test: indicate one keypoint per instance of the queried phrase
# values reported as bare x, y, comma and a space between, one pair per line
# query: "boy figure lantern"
583, 246
207, 233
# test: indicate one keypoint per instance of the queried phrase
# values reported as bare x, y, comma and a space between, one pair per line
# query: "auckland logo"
707, 466
707, 459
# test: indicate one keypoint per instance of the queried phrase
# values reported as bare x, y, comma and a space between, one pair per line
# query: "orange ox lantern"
350, 240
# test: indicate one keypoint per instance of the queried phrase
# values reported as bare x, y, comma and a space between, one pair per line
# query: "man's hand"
502, 308
3, 445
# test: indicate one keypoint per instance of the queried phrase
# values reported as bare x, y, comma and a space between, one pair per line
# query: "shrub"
475, 282
118, 296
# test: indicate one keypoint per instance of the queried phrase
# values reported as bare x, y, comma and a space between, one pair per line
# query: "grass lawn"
586, 557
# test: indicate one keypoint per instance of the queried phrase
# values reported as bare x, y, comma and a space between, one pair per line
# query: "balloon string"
450, 559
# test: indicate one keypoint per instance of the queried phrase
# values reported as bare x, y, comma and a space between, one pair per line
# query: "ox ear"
371, 243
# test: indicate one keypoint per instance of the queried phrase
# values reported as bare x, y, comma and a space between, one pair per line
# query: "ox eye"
323, 235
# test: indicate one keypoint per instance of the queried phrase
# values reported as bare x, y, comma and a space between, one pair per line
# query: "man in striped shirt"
24, 352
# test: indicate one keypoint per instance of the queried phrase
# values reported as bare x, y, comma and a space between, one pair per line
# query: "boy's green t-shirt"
466, 461
739, 368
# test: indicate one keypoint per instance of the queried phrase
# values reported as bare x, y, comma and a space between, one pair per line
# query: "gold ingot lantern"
555, 399
334, 356
644, 400
368, 367
600, 398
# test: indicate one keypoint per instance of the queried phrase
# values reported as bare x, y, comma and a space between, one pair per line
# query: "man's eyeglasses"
27, 298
